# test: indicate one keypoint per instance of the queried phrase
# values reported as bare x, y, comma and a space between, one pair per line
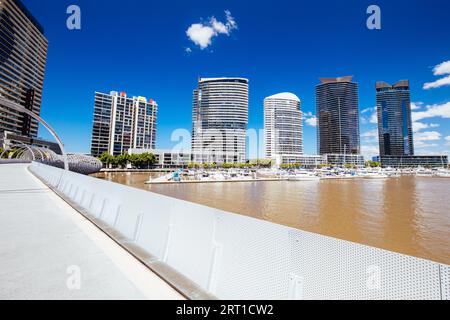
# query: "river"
409, 215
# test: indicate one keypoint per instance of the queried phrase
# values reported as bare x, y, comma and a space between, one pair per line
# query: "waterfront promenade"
50, 251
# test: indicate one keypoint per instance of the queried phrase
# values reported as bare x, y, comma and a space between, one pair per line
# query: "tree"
135, 160
106, 159
122, 160
373, 164
147, 159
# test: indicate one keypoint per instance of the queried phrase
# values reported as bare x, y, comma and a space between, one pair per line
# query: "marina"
182, 176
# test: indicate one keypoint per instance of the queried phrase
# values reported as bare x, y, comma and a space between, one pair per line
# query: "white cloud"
370, 146
440, 70
311, 121
418, 126
433, 111
416, 105
422, 142
438, 83
188, 50
231, 23
427, 136
202, 33
369, 151
374, 118
371, 135
447, 139
218, 26
369, 109
422, 148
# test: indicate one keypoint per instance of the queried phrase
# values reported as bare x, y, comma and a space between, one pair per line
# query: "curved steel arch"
21, 150
18, 107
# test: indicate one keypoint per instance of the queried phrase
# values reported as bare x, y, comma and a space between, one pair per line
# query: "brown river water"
409, 215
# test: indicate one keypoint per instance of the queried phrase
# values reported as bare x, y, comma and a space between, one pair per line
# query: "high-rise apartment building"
283, 127
337, 116
394, 119
23, 55
122, 123
220, 119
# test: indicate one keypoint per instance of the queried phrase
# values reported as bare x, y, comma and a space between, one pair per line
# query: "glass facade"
394, 118
23, 55
337, 116
219, 120
429, 161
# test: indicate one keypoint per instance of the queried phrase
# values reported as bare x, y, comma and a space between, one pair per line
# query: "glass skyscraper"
394, 119
23, 55
220, 119
337, 116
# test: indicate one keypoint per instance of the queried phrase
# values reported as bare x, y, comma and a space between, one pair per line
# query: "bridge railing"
237, 257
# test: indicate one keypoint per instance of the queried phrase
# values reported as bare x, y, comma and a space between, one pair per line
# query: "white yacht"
303, 175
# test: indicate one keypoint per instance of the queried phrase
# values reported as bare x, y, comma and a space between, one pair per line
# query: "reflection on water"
408, 215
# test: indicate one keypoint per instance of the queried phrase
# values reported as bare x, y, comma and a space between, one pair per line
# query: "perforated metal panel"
445, 282
255, 259
336, 269
237, 257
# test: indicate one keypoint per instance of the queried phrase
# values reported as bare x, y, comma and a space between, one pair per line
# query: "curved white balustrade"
237, 257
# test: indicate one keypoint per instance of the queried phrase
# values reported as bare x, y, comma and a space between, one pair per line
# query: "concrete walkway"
49, 251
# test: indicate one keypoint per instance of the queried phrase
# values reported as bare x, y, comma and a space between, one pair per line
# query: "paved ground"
49, 251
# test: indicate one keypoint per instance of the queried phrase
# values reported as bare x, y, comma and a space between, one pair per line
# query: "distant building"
174, 158
305, 161
10, 140
283, 125
122, 122
219, 120
23, 55
167, 159
394, 119
337, 116
396, 130
426, 161
342, 160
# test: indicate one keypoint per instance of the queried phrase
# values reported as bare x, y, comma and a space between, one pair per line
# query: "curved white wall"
237, 257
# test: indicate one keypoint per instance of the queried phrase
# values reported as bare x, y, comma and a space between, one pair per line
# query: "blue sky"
141, 47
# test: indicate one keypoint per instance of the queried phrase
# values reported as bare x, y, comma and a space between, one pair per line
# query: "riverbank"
135, 170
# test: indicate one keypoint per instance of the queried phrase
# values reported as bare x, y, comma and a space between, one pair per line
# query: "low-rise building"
427, 161
182, 158
306, 161
342, 160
